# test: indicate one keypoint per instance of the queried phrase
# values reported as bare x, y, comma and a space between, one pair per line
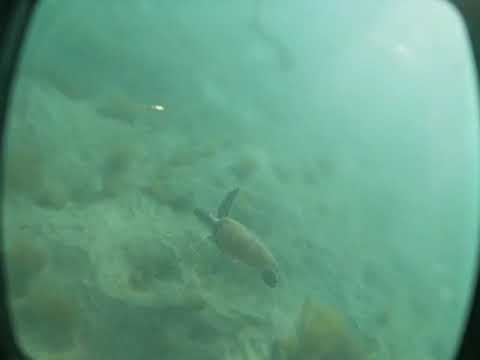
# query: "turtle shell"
235, 240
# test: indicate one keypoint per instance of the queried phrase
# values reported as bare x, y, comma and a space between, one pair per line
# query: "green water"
349, 127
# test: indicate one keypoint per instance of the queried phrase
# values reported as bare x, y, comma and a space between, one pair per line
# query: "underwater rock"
188, 301
24, 171
25, 260
115, 169
52, 196
26, 174
182, 202
151, 261
118, 160
283, 348
172, 195
245, 167
86, 193
72, 262
321, 333
50, 316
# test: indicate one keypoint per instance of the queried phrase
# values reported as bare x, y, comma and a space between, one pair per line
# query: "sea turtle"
237, 241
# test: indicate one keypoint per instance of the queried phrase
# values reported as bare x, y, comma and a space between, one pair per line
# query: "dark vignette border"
14, 20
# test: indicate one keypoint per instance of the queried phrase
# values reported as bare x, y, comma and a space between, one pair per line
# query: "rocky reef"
321, 333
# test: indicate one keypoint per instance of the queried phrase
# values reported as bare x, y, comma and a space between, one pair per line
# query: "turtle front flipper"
205, 217
226, 204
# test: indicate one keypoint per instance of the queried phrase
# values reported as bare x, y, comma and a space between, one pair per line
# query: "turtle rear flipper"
226, 204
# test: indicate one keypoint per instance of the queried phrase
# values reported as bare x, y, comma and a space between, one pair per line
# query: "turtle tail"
205, 217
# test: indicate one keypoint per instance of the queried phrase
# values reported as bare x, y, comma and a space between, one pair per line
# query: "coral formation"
25, 260
51, 317
115, 169
26, 175
245, 167
24, 172
53, 196
321, 334
170, 194
149, 263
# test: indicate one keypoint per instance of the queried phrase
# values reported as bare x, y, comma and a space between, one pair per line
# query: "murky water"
350, 130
